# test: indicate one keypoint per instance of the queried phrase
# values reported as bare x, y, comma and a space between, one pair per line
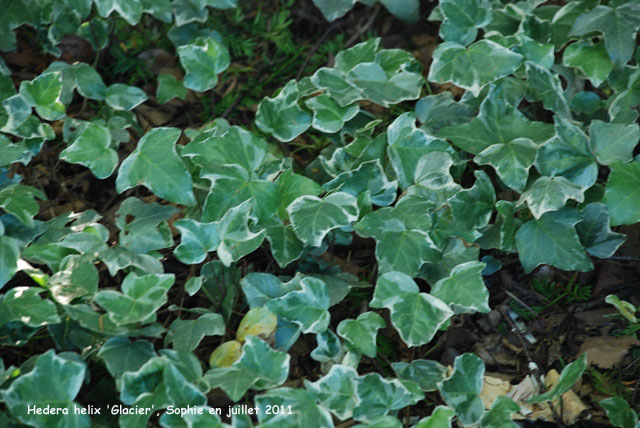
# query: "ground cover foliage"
336, 213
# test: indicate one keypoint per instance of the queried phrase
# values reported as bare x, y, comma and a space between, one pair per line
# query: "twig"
315, 48
514, 297
365, 27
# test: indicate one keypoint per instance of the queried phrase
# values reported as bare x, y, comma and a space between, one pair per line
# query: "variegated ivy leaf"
433, 179
499, 122
120, 355
613, 142
462, 19
591, 59
464, 289
336, 390
552, 240
407, 10
328, 115
550, 194
407, 144
257, 322
329, 347
618, 25
283, 242
595, 231
619, 412
499, 416
362, 332
312, 218
203, 60
401, 234
292, 186
472, 67
89, 82
302, 403
570, 375
93, 149
156, 165
260, 367
622, 193
64, 377
546, 86
334, 82
235, 234
511, 161
260, 288
473, 207
426, 373
77, 277
24, 304
567, 154
379, 396
143, 226
9, 255
123, 97
169, 88
368, 177
439, 111
417, 316
334, 9
382, 87
44, 94
307, 307
185, 335
440, 418
622, 108
197, 239
281, 116
20, 202
461, 390
130, 10
140, 298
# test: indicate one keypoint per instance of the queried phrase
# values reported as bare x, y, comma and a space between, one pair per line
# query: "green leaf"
257, 322
439, 111
20, 202
472, 67
595, 232
550, 194
498, 122
464, 289
260, 288
377, 85
401, 233
567, 154
169, 88
591, 59
123, 97
334, 82
236, 237
426, 373
613, 142
185, 335
625, 308
462, 19
281, 116
120, 355
197, 239
44, 94
407, 10
618, 26
77, 277
379, 396
9, 255
334, 9
141, 296
302, 404
328, 115
143, 226
362, 332
285, 245
622, 193
312, 218
130, 10
93, 150
552, 240
570, 375
328, 347
511, 161
203, 61
25, 305
292, 186
499, 416
63, 378
473, 207
461, 391
368, 177
156, 165
336, 390
417, 316
259, 367
440, 418
619, 413
89, 82
546, 86
306, 307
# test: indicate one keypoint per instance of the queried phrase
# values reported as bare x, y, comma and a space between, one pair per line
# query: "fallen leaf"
605, 351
